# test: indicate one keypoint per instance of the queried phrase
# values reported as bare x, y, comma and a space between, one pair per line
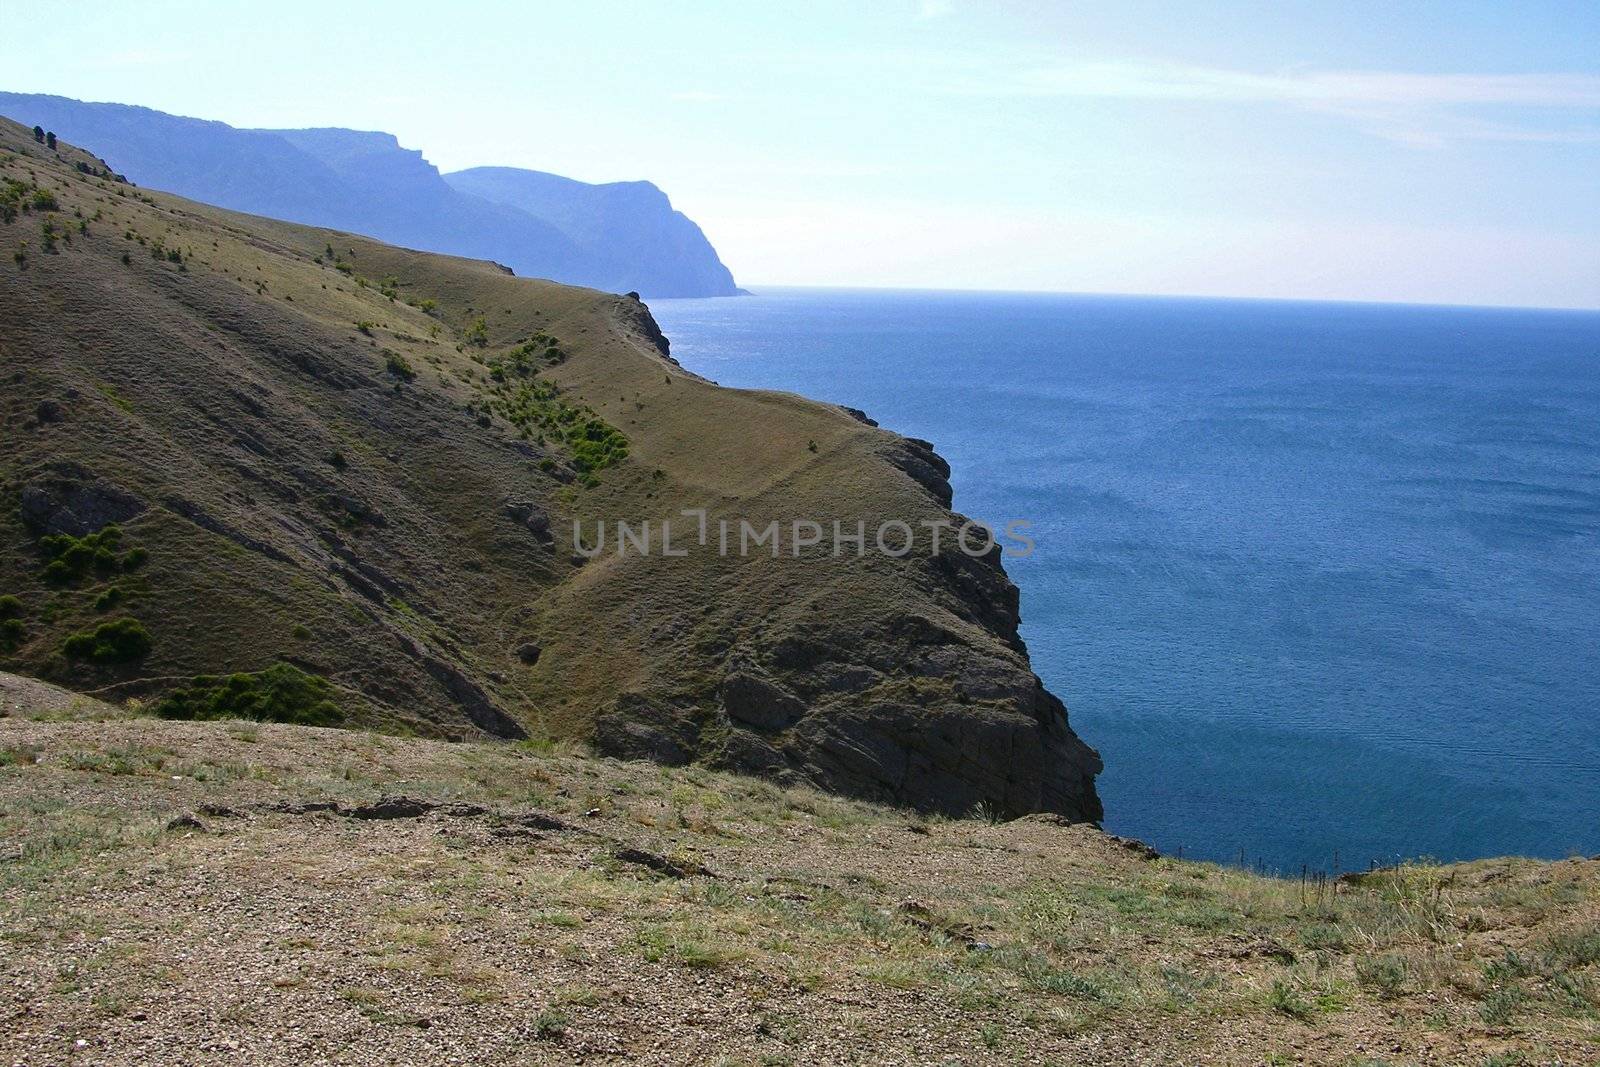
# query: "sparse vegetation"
1034, 943
399, 366
536, 408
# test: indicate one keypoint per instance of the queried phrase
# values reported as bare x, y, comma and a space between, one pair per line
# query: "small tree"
38, 134
50, 141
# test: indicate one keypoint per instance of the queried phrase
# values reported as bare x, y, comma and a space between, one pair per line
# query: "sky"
1437, 153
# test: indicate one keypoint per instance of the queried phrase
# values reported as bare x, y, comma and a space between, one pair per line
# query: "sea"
1320, 581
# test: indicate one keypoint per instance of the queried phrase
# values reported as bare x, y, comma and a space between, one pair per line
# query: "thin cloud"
1423, 109
1312, 87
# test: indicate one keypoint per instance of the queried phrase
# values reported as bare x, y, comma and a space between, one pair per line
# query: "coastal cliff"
237, 446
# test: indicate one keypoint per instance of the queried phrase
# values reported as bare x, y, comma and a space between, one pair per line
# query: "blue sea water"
1320, 581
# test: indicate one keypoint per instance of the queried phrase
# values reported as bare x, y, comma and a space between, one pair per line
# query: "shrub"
540, 348
365, 326
534, 406
549, 1024
109, 599
69, 558
1386, 975
281, 693
478, 332
1283, 998
12, 634
118, 641
10, 607
399, 366
135, 559
45, 200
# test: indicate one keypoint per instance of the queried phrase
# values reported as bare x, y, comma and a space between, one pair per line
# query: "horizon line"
750, 287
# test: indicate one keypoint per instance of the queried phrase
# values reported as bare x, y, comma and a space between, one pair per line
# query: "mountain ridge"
366, 182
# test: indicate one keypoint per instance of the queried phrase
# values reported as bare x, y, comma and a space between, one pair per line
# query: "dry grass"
828, 930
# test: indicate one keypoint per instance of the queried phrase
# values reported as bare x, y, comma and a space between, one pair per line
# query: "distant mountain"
630, 224
619, 238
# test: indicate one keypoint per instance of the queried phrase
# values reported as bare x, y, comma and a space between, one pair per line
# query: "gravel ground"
187, 893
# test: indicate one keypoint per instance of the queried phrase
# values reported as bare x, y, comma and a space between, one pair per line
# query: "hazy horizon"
755, 288
1439, 154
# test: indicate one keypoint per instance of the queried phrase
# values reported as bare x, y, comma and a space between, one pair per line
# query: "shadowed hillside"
348, 473
607, 236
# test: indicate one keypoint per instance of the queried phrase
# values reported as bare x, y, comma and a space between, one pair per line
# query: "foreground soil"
176, 893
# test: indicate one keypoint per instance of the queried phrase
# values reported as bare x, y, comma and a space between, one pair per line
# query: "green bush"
540, 348
117, 641
109, 599
10, 607
478, 332
281, 693
12, 634
535, 407
69, 558
399, 366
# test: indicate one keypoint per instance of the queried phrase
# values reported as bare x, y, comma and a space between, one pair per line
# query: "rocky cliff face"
898, 704
629, 228
367, 463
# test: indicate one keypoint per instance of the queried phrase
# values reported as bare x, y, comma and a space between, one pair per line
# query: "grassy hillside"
348, 471
195, 892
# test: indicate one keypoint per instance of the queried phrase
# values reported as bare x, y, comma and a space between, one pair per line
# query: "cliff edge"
368, 481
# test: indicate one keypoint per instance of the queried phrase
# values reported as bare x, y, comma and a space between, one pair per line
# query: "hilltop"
619, 237
348, 473
199, 892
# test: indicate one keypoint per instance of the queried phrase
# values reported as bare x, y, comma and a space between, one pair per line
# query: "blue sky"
1414, 151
